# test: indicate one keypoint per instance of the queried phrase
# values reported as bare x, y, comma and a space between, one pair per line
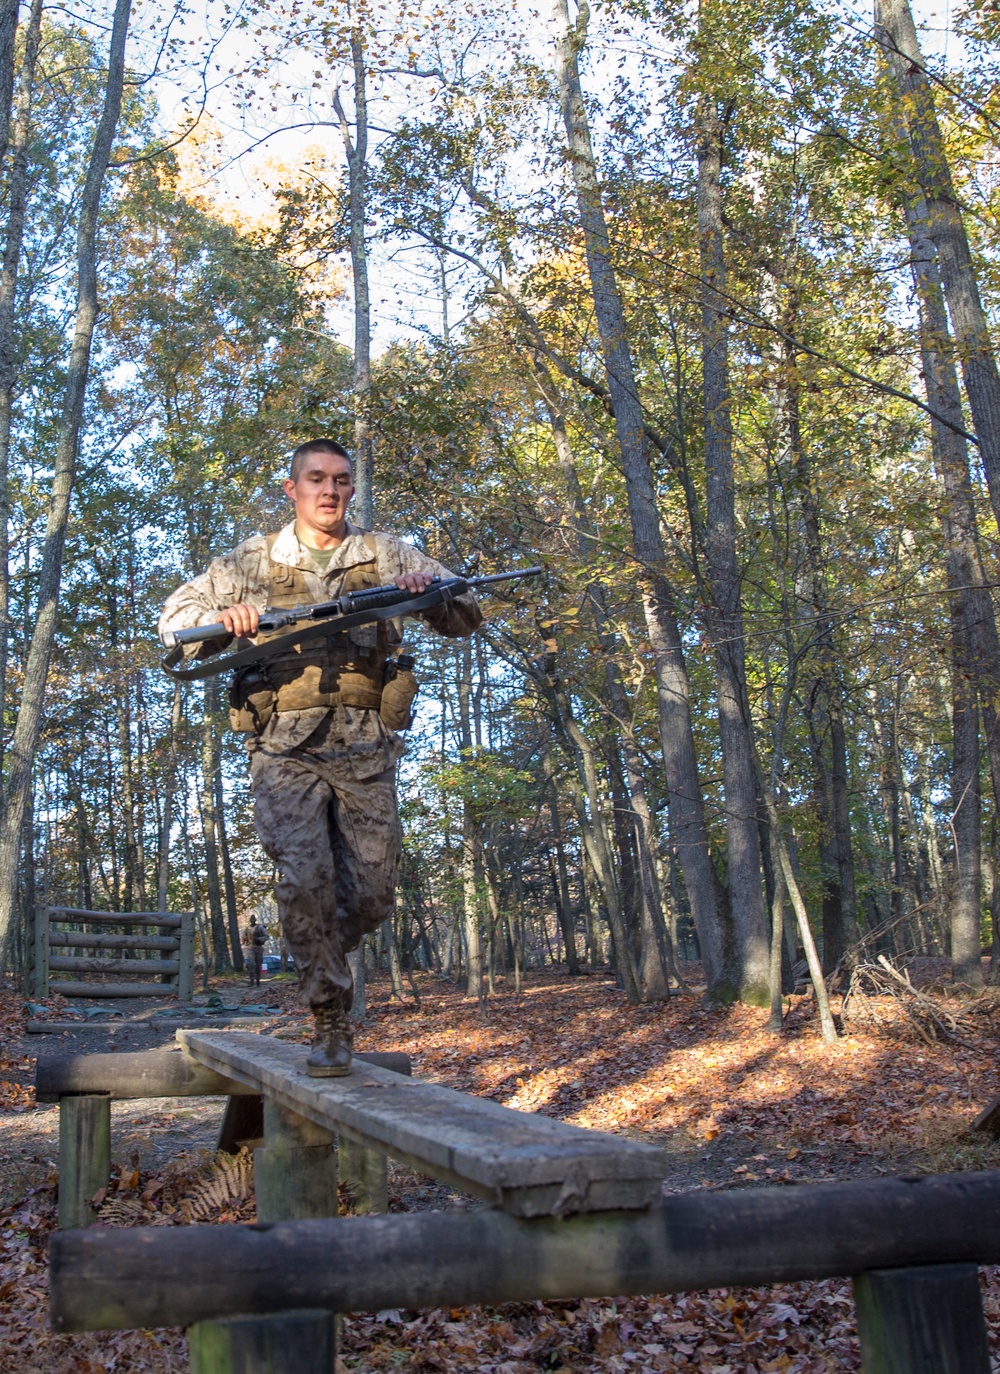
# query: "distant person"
255, 937
322, 757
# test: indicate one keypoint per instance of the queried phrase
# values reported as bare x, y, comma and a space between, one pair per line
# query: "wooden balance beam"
529, 1165
911, 1245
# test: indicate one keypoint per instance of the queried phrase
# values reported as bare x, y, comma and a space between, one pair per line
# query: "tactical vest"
332, 670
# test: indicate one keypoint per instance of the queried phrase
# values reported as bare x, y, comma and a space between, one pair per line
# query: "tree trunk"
975, 643
687, 818
776, 1020
356, 149
654, 960
827, 1028
169, 793
228, 882
475, 986
17, 200
221, 962
563, 904
29, 716
840, 924
130, 865
966, 904
29, 894
392, 950
897, 36
8, 34
594, 829
750, 945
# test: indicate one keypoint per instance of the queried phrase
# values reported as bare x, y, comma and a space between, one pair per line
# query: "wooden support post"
84, 1156
41, 972
185, 978
365, 1171
922, 1321
295, 1174
293, 1342
242, 1123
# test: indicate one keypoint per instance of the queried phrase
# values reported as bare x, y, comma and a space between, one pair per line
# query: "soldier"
322, 759
253, 942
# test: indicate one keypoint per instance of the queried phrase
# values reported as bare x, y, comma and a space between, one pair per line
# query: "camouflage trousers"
336, 841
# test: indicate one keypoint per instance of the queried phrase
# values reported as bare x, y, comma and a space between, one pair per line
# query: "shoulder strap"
371, 543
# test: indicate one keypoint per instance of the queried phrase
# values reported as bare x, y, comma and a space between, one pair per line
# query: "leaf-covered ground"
731, 1104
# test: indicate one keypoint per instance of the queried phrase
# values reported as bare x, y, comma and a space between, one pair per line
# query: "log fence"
143, 945
573, 1215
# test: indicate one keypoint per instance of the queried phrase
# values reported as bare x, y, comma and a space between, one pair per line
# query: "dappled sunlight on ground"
575, 1049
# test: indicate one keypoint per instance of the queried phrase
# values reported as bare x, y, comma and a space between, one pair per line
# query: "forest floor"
730, 1104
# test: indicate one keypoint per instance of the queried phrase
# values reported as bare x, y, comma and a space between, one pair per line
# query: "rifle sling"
215, 667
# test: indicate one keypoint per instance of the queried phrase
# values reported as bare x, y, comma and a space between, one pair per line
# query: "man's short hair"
315, 446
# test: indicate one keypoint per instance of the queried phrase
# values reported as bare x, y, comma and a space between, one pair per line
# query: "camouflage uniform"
323, 777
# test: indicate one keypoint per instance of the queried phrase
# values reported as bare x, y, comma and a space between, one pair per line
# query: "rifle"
325, 618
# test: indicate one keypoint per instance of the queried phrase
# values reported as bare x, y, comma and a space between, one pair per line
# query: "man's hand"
240, 620
415, 582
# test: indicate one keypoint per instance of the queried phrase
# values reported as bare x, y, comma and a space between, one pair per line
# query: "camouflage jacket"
243, 576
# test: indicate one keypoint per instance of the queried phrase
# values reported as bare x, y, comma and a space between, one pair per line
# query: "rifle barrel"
487, 578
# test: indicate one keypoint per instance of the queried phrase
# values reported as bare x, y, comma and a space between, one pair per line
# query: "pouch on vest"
398, 693
251, 699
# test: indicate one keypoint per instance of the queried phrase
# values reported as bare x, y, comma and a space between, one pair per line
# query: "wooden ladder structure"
118, 948
573, 1214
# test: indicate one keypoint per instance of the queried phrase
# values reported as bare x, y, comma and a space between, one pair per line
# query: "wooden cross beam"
166, 1276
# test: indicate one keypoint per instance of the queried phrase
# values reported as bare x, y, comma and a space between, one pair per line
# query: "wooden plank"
116, 918
40, 973
172, 1276
277, 1343
530, 1164
76, 963
71, 988
57, 1027
78, 939
84, 1156
144, 1073
922, 1321
185, 976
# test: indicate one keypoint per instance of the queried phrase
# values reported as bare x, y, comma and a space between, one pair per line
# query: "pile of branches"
881, 998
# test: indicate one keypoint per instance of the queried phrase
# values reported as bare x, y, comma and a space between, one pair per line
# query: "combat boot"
332, 1043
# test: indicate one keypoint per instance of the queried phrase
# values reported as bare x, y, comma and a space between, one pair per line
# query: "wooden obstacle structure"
102, 953
574, 1214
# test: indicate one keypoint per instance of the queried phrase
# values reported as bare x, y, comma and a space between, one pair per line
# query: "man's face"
322, 492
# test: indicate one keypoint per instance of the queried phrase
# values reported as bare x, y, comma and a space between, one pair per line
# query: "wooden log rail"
912, 1246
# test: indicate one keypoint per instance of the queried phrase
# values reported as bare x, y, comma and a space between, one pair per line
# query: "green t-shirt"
320, 556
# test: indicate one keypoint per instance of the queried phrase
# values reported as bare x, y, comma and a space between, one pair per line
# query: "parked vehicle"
272, 963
